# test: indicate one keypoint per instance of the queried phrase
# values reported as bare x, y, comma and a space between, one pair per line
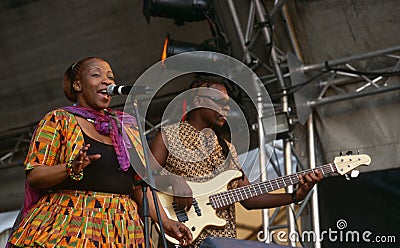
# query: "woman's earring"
76, 86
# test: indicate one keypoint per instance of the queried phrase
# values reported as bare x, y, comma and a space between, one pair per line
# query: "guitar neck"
229, 197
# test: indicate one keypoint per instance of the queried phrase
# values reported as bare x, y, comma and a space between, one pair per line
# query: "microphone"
114, 90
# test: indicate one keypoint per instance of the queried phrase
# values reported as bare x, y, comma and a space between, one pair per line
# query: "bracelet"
71, 173
294, 198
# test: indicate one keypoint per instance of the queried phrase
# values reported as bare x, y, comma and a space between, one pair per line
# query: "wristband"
74, 176
294, 198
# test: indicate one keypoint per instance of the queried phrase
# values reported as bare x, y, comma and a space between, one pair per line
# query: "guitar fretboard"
229, 197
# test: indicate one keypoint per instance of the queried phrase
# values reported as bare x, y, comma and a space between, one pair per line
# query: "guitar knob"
354, 173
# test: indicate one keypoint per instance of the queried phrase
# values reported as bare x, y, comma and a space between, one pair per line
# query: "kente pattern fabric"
197, 155
101, 174
57, 139
109, 123
81, 219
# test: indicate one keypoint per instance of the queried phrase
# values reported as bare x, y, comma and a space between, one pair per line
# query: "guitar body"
201, 192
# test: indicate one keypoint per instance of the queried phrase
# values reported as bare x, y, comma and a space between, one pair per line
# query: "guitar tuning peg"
354, 174
347, 177
358, 152
340, 153
349, 153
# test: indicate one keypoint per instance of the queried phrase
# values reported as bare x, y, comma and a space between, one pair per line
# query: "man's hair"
208, 81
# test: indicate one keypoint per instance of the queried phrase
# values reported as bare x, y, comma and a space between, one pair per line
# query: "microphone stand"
145, 185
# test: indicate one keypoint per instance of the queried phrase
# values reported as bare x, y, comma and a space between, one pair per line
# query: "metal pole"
236, 22
263, 162
305, 68
260, 13
314, 199
290, 209
250, 23
276, 9
337, 98
291, 33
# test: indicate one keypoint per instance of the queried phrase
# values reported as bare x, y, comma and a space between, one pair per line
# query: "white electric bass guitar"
207, 198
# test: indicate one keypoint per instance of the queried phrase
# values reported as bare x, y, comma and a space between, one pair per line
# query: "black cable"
276, 168
292, 89
218, 33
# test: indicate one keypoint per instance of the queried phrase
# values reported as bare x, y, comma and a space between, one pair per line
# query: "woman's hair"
72, 74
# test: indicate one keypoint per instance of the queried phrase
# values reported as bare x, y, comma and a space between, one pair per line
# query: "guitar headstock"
348, 163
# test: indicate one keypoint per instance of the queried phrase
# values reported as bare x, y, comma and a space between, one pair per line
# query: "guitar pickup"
196, 207
180, 213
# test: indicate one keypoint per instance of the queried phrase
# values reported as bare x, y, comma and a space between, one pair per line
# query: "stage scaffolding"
308, 83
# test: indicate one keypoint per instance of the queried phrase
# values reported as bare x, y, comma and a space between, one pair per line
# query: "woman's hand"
82, 159
178, 231
307, 181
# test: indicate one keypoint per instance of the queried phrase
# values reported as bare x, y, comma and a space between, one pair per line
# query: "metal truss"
342, 79
334, 81
267, 64
15, 144
311, 86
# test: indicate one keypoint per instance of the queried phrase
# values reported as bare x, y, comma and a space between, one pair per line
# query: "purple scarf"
110, 123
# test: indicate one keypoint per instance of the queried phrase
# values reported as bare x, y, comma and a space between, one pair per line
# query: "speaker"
216, 242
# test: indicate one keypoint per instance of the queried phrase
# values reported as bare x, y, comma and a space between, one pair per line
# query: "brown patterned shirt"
197, 155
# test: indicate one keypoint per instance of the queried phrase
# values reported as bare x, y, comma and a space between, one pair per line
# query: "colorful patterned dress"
75, 218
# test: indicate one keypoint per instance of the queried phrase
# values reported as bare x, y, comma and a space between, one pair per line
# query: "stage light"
179, 10
173, 47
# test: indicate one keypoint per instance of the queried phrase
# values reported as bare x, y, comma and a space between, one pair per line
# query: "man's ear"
77, 86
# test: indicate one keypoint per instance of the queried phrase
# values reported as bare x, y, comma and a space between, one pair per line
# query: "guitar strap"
234, 162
